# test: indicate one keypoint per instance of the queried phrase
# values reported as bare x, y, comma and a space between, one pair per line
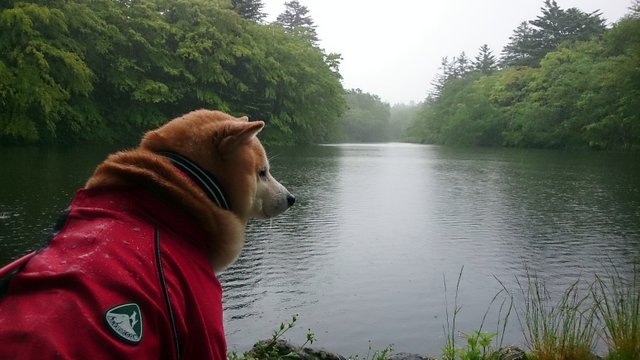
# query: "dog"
130, 272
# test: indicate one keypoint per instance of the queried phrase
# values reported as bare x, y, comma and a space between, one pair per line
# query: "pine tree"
441, 79
634, 9
532, 40
463, 65
295, 19
485, 62
457, 68
556, 25
249, 9
518, 51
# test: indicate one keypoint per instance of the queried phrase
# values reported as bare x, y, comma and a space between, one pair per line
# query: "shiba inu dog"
131, 271
220, 144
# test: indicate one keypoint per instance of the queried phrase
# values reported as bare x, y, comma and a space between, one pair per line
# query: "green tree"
333, 60
463, 115
296, 19
305, 95
583, 93
457, 68
400, 119
546, 117
521, 46
249, 9
485, 62
442, 78
366, 118
634, 9
462, 66
613, 101
102, 69
42, 75
529, 45
556, 25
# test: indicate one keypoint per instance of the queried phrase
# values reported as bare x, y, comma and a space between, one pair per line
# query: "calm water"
375, 230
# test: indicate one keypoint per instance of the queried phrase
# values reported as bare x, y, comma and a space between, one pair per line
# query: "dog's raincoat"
126, 277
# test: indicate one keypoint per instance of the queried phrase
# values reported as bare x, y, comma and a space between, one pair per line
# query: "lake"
377, 230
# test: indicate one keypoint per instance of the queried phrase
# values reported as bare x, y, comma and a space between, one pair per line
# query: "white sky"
393, 48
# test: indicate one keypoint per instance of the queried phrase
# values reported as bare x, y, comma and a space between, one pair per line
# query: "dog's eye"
262, 173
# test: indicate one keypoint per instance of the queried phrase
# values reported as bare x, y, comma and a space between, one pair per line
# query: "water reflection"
36, 184
377, 229
399, 218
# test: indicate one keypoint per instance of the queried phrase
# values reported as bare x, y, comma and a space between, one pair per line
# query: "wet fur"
225, 146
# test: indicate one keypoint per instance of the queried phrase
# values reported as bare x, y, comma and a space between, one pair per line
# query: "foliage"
485, 61
42, 74
478, 347
105, 70
463, 115
580, 94
366, 118
295, 20
460, 66
249, 9
400, 119
520, 47
634, 9
529, 44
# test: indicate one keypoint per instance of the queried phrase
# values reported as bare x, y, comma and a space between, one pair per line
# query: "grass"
565, 326
617, 304
561, 329
568, 328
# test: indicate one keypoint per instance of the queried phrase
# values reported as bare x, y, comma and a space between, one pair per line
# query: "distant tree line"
369, 119
366, 118
105, 70
563, 81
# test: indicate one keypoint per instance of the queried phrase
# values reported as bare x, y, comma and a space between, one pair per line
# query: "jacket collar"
204, 179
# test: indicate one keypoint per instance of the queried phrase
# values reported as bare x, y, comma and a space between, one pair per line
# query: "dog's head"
228, 148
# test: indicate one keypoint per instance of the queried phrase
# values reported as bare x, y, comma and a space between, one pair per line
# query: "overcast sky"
393, 48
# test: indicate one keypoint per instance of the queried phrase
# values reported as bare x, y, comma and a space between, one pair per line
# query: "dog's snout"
290, 199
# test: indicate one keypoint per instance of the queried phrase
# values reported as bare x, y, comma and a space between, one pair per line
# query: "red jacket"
99, 290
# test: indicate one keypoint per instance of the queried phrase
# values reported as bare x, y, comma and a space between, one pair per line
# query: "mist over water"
376, 229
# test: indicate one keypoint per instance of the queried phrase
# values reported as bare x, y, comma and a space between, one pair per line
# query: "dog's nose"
291, 199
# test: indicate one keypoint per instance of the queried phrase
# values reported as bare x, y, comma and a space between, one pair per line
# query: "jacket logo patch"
125, 322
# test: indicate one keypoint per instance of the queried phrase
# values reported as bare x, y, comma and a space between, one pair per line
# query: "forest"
564, 80
106, 70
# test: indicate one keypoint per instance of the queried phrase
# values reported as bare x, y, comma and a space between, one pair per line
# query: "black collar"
207, 182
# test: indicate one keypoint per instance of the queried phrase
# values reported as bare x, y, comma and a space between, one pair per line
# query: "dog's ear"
239, 133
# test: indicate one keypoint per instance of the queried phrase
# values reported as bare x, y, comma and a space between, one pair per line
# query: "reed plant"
479, 343
561, 329
617, 301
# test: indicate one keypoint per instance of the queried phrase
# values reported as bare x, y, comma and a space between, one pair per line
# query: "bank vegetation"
565, 80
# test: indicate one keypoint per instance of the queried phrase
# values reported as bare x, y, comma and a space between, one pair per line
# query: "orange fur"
225, 146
